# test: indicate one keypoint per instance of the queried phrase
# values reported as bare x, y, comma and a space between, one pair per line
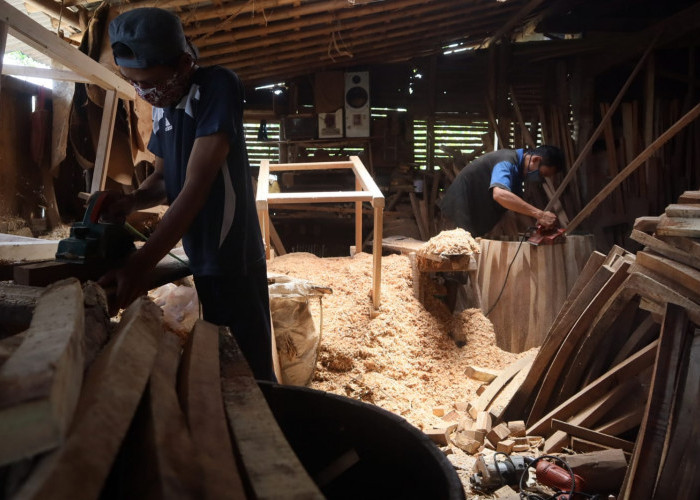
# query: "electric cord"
505, 280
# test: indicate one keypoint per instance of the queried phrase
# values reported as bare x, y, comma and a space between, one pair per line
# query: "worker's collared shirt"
469, 203
225, 236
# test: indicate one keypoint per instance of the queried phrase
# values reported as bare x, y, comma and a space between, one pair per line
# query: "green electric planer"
92, 240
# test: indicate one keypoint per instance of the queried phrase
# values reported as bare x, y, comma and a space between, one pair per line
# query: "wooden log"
41, 381
112, 390
676, 335
200, 396
274, 471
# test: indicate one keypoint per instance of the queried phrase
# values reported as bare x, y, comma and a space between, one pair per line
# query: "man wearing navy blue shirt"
202, 171
491, 185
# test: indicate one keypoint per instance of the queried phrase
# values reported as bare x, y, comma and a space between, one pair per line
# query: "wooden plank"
601, 293
40, 382
592, 413
365, 179
647, 331
274, 471
572, 309
666, 249
642, 472
170, 454
319, 197
402, 244
679, 472
671, 132
591, 435
629, 368
17, 304
653, 290
692, 197
377, 256
599, 129
33, 34
104, 142
46, 73
200, 396
27, 251
111, 392
683, 210
630, 419
510, 371
681, 274
679, 226
646, 224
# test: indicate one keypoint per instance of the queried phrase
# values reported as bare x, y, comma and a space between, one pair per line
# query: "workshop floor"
404, 359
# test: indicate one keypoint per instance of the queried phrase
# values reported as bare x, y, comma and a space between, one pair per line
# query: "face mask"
534, 176
165, 94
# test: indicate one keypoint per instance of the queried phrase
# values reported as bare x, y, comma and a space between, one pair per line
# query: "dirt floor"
404, 359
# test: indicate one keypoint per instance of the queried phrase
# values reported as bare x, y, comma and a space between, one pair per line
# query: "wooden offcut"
41, 381
111, 392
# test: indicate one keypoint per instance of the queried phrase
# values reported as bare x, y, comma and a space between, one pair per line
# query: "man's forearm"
515, 203
150, 193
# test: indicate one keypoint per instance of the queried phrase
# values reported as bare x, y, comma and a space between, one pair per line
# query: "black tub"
359, 451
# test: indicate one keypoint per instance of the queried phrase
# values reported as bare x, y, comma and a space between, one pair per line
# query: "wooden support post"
104, 144
377, 255
3, 41
686, 119
358, 219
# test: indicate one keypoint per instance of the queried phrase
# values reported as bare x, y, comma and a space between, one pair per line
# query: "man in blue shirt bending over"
492, 184
202, 171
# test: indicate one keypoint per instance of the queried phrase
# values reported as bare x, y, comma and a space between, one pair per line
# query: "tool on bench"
551, 236
92, 240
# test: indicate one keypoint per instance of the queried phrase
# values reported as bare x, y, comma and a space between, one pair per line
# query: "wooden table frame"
82, 68
365, 190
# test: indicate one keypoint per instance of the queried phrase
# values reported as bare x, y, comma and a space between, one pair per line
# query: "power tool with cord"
547, 236
92, 240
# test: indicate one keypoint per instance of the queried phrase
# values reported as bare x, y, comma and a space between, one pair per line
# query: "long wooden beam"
685, 120
601, 127
47, 73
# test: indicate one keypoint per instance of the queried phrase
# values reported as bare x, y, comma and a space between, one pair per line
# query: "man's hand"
547, 220
125, 285
115, 206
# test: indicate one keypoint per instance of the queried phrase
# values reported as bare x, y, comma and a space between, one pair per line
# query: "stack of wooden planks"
619, 366
90, 411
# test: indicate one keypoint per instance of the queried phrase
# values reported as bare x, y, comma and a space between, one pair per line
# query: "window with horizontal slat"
463, 134
258, 149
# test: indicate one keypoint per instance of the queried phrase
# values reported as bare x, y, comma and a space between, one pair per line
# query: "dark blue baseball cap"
151, 36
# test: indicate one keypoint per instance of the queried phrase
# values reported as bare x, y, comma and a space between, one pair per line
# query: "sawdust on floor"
403, 359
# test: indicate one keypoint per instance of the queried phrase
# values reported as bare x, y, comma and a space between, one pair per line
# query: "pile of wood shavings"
453, 242
402, 360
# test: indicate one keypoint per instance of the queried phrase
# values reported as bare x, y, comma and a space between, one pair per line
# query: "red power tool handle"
557, 477
97, 207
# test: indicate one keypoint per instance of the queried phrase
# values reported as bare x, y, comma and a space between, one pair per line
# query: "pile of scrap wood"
619, 367
87, 409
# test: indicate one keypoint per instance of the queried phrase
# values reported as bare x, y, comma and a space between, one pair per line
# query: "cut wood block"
480, 390
271, 465
437, 436
679, 226
461, 406
439, 411
646, 224
521, 448
498, 434
506, 493
40, 382
683, 210
690, 197
482, 403
476, 435
481, 374
604, 470
112, 390
505, 446
517, 428
466, 443
483, 421
451, 416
